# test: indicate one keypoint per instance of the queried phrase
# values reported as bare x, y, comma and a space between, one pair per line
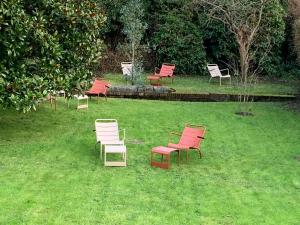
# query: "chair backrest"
126, 68
100, 86
192, 136
107, 130
167, 70
214, 70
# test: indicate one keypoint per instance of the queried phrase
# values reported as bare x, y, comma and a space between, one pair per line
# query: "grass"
51, 174
200, 84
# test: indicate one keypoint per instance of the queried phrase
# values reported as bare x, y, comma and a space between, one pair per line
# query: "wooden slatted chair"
166, 71
190, 139
107, 135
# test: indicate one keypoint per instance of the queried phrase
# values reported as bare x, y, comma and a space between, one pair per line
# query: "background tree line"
180, 34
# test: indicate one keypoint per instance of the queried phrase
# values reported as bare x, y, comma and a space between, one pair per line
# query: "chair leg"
100, 151
220, 81
230, 80
209, 79
199, 152
125, 156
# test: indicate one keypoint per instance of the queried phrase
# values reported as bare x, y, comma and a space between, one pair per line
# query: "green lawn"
200, 84
51, 174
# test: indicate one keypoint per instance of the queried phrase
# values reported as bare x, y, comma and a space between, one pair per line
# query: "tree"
244, 19
294, 8
134, 29
177, 39
46, 45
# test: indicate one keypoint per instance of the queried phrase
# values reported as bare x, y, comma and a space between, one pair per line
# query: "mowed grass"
50, 172
201, 85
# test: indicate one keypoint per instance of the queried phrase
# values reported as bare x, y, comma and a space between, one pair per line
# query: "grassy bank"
50, 172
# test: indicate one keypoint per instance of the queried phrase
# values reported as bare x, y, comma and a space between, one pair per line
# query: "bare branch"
262, 58
257, 25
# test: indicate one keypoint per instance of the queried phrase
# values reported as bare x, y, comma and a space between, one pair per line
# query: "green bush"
273, 25
178, 40
46, 45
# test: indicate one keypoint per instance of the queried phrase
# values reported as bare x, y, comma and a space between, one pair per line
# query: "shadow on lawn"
31, 127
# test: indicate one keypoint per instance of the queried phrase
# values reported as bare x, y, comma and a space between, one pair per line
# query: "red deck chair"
191, 138
99, 87
166, 70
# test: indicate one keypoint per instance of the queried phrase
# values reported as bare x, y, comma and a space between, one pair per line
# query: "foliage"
272, 32
215, 40
112, 29
134, 29
177, 39
46, 46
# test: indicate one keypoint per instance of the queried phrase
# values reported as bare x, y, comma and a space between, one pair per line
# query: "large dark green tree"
176, 37
46, 45
256, 27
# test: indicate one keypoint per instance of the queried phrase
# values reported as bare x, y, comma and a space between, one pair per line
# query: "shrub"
46, 45
179, 40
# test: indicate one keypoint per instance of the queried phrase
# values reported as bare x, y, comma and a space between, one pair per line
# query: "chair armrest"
224, 70
175, 133
156, 70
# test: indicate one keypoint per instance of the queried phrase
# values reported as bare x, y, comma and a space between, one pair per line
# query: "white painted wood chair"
215, 72
107, 134
127, 68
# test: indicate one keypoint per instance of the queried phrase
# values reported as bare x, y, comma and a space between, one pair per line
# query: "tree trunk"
133, 63
297, 38
244, 66
294, 10
244, 61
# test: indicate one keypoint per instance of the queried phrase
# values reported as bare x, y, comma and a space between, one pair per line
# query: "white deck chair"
215, 72
126, 68
107, 134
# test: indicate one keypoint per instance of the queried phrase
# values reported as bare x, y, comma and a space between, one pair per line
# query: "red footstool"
163, 151
154, 80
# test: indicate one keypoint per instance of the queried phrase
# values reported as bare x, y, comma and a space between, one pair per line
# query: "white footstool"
115, 149
80, 99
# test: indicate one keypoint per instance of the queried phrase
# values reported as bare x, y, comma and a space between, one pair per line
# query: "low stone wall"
139, 90
165, 93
